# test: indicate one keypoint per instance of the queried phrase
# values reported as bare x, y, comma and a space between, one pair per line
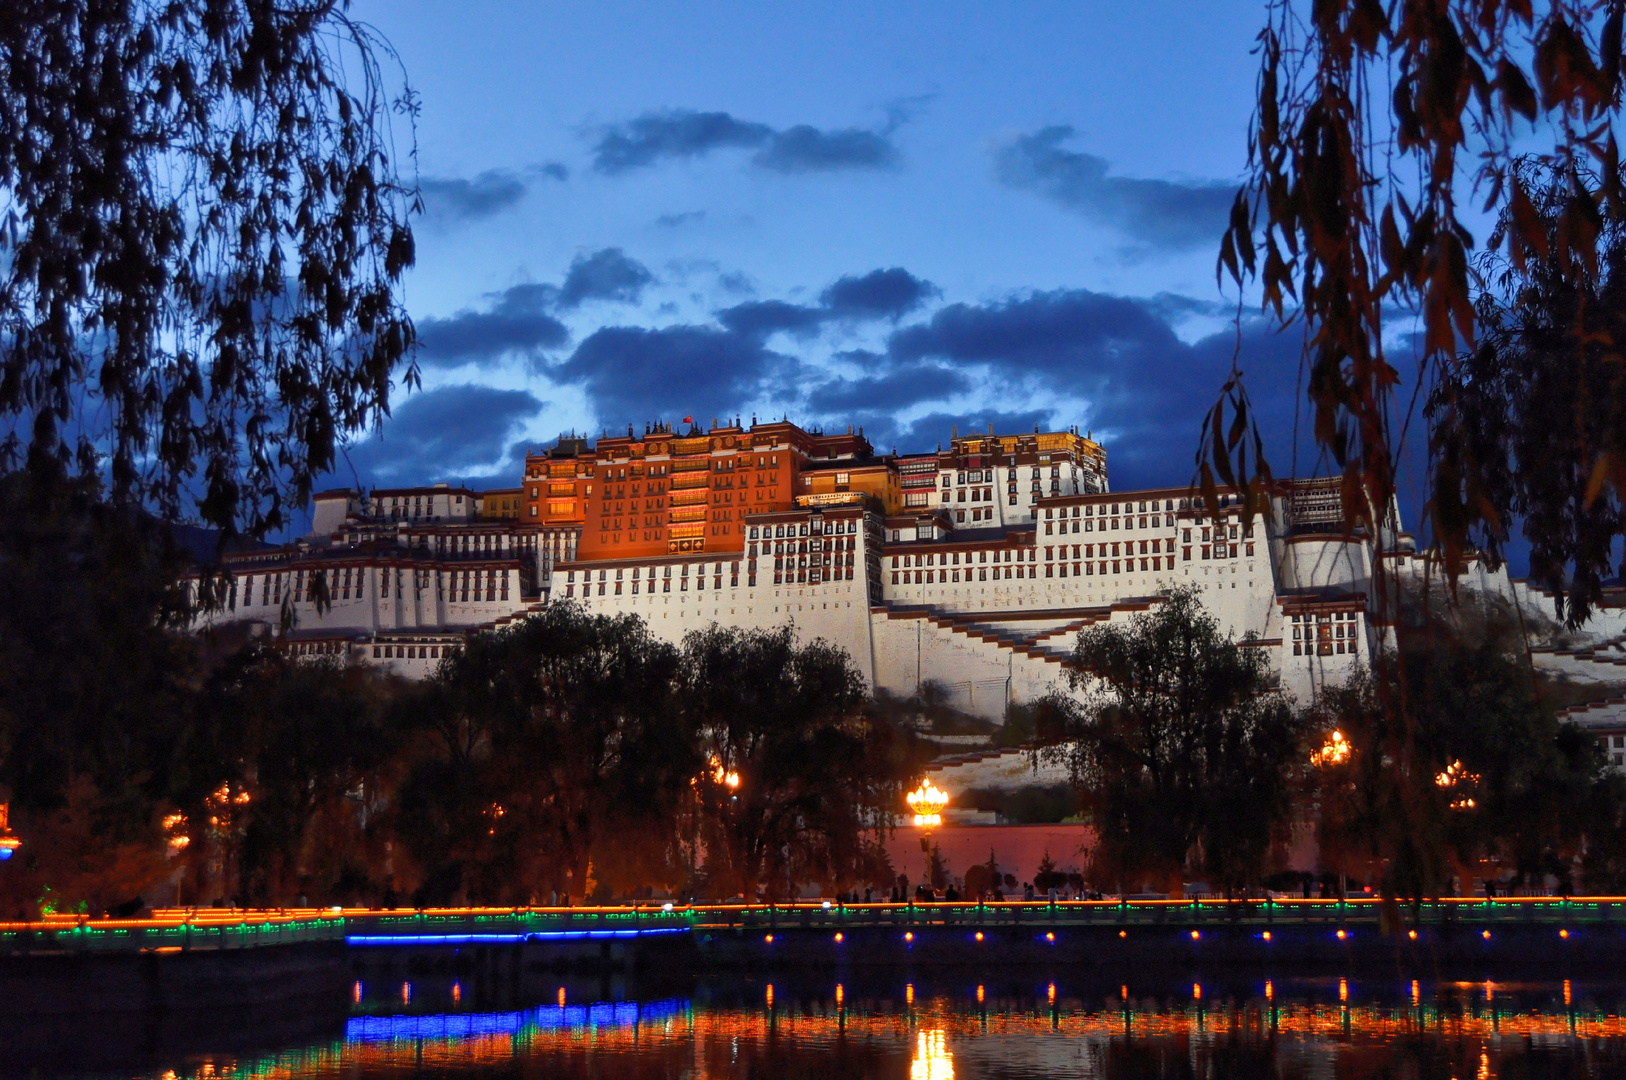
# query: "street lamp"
8, 839
927, 801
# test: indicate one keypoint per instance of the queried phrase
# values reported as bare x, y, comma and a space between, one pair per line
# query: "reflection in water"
994, 1024
932, 1061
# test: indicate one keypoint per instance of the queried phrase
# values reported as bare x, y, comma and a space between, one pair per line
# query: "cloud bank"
680, 134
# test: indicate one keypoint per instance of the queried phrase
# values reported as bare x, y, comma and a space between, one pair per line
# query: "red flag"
688, 419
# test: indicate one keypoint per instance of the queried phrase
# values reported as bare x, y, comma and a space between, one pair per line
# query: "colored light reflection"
932, 1061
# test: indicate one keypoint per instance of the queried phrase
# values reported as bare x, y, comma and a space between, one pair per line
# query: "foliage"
1529, 426
1507, 788
553, 737
205, 230
816, 772
1373, 120
1180, 748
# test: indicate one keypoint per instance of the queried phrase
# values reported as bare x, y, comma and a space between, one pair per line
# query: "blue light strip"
463, 1025
505, 939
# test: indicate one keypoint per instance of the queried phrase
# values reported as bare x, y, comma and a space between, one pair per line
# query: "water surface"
997, 1023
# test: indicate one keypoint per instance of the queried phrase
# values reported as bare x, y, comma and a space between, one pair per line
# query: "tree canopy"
1179, 745
205, 226
1375, 124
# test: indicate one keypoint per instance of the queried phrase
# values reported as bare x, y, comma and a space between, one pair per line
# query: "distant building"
973, 567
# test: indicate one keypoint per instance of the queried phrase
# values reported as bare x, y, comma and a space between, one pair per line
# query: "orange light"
1414, 994
1196, 991
1123, 992
1194, 935
1566, 993
908, 935
839, 938
927, 803
770, 995
1050, 936
1412, 934
909, 994
457, 992
769, 939
1267, 935
979, 935
355, 992
1052, 993
1270, 991
561, 997
979, 993
406, 993
1485, 935
1123, 933
1341, 935
1563, 933
840, 995
1343, 989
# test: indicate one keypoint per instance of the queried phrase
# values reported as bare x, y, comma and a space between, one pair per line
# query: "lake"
1000, 1023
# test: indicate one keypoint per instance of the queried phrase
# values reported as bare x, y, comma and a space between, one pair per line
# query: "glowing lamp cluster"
1461, 781
8, 839
723, 777
927, 802
1334, 752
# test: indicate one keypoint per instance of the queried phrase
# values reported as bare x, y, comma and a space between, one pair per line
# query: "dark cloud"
633, 374
487, 194
1068, 331
672, 221
676, 133
480, 197
1147, 390
893, 388
453, 432
604, 275
517, 323
804, 149
1154, 213
760, 318
878, 294
686, 133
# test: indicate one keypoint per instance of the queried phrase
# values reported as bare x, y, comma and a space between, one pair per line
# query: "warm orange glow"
1267, 935
770, 996
927, 802
1334, 752
561, 997
1341, 935
769, 939
1486, 935
1270, 991
979, 993
840, 995
909, 935
1123, 933
1051, 993
457, 993
909, 994
1195, 934
1412, 934
839, 938
1196, 992
1050, 936
932, 1061
1563, 933
979, 935
1343, 989
1414, 994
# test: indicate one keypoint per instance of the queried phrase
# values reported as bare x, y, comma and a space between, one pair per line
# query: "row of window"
952, 558
1156, 547
945, 577
1324, 648
814, 528
411, 652
1155, 522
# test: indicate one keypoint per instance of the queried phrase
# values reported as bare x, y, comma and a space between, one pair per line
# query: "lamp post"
8, 839
927, 801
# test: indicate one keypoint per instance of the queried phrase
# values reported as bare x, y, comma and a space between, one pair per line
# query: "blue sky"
904, 216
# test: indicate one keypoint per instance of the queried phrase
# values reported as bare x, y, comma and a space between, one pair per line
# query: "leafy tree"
206, 230
1373, 121
284, 778
1508, 789
1528, 426
816, 775
557, 737
1180, 748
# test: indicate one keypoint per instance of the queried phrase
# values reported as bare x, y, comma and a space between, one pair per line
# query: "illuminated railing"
168, 931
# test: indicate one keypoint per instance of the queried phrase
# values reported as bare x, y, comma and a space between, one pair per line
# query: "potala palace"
973, 566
